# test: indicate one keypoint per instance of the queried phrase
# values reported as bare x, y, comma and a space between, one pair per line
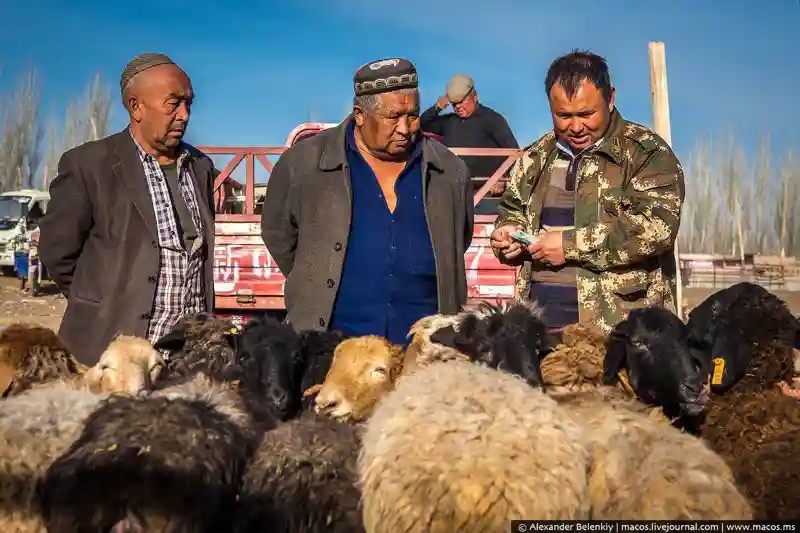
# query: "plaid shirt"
180, 282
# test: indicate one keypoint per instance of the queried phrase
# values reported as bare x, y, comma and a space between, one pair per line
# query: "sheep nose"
280, 399
322, 404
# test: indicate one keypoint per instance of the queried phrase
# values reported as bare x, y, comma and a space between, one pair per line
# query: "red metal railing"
251, 154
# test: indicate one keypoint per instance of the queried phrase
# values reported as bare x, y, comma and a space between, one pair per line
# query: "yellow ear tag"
719, 369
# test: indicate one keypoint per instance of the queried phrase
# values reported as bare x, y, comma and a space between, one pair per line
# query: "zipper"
430, 236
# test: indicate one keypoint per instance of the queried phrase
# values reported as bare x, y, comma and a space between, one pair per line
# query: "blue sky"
260, 68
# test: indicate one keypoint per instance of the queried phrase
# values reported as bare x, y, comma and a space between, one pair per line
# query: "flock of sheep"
482, 420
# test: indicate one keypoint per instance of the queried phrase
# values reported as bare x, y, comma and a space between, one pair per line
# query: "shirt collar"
145, 156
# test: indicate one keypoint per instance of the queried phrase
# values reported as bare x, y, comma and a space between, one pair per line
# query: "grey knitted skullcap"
140, 63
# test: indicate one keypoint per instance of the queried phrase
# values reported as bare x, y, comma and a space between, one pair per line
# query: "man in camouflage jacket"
624, 210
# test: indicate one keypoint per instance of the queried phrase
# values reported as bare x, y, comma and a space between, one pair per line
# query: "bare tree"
86, 120
21, 135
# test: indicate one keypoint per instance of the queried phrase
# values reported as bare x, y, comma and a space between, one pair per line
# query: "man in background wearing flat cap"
369, 221
129, 231
471, 125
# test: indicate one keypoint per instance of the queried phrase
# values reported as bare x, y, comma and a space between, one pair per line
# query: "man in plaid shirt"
129, 232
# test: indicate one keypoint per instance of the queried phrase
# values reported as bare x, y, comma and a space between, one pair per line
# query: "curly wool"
460, 447
180, 453
642, 468
576, 363
36, 427
31, 355
302, 479
199, 343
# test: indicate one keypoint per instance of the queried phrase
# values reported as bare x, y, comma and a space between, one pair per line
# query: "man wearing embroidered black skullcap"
128, 236
369, 221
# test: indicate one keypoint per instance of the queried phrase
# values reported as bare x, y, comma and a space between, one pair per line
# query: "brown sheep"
32, 354
461, 447
576, 363
363, 370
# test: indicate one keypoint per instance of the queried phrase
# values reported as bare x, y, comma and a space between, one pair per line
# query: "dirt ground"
48, 308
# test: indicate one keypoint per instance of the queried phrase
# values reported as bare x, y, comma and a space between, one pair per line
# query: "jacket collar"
334, 155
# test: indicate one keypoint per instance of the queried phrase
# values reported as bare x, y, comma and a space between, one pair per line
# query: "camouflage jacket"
628, 200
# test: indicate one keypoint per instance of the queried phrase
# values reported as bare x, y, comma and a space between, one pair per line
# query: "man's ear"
358, 115
612, 99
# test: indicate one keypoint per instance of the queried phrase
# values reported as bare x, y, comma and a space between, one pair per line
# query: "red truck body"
247, 280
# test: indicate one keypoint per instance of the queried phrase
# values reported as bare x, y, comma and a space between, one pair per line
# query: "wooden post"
661, 125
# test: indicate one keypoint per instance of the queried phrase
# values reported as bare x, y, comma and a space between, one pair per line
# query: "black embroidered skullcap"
384, 76
140, 63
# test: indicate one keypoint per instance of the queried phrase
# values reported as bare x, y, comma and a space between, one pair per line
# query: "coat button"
151, 279
155, 244
322, 322
337, 246
330, 283
145, 316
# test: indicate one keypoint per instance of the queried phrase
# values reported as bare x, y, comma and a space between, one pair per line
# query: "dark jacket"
305, 223
99, 241
485, 128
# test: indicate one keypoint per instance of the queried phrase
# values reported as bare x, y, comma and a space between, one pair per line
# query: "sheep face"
129, 365
509, 338
362, 372
651, 345
270, 353
31, 355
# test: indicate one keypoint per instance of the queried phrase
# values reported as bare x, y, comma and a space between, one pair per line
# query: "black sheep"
171, 461
303, 479
318, 347
509, 337
199, 343
663, 368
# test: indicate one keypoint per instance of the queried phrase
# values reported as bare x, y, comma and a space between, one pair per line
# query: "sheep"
363, 371
508, 337
641, 467
129, 364
36, 427
751, 338
31, 354
170, 461
302, 479
199, 343
462, 447
663, 367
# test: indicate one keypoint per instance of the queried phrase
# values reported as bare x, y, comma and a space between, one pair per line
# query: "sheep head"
363, 370
421, 350
31, 355
751, 335
508, 337
129, 365
576, 363
663, 369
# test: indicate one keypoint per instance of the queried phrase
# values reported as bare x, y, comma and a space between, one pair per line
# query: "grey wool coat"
305, 223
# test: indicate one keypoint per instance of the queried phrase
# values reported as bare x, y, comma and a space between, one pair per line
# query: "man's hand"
442, 102
548, 248
501, 241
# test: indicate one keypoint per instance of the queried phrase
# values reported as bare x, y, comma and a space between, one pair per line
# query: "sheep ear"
445, 336
171, 342
797, 335
312, 390
615, 358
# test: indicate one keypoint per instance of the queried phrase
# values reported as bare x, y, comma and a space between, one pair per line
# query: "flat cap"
140, 63
385, 75
459, 87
